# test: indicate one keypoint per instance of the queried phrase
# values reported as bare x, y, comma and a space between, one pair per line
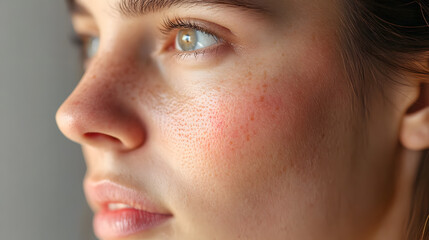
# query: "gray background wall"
40, 171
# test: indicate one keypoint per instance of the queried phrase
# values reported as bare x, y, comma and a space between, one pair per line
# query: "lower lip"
125, 222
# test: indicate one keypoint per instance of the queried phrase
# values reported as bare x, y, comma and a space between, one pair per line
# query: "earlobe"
415, 130
414, 133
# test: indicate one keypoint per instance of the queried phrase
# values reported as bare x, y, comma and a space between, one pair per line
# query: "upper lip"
99, 194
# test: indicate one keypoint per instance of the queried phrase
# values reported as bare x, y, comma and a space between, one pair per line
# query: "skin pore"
253, 137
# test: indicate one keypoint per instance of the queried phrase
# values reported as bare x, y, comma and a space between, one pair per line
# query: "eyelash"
169, 25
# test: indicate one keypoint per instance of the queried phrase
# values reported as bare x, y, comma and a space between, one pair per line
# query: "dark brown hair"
383, 40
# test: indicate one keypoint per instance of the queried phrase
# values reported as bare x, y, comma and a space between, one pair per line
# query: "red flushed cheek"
220, 125
250, 124
242, 120
216, 133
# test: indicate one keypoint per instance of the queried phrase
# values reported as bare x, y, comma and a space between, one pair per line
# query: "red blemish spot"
283, 170
265, 86
262, 98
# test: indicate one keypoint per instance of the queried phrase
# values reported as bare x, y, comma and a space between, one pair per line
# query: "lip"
143, 216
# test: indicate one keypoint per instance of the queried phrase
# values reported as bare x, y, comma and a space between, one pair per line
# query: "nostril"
92, 136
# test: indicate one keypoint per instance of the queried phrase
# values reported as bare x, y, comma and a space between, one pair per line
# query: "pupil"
186, 38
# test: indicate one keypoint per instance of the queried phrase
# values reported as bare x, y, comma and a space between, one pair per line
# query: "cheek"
268, 119
238, 121
229, 136
243, 146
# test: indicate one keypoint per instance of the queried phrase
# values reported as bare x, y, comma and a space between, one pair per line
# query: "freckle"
94, 76
133, 98
252, 117
262, 98
230, 143
248, 137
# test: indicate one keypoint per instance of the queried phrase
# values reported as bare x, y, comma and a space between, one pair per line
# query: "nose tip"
100, 125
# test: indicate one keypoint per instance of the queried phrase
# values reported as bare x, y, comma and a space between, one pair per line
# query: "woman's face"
234, 122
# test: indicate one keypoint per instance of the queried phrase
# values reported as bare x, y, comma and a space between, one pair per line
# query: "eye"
90, 47
192, 39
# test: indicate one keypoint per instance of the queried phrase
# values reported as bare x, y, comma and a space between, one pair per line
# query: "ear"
414, 133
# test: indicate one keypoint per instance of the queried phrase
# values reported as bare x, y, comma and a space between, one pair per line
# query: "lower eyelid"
206, 55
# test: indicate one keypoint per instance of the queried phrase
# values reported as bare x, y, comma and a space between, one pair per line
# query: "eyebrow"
133, 8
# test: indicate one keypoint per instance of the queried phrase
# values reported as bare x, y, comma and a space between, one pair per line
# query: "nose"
100, 112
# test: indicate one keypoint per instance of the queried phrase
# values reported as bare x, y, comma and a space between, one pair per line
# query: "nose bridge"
107, 85
110, 71
100, 112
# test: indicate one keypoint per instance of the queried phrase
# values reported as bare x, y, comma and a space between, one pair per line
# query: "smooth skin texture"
258, 139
